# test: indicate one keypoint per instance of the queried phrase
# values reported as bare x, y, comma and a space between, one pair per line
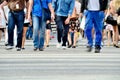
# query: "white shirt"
77, 6
93, 5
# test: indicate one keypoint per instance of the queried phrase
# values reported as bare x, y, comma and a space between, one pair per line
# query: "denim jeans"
62, 29
38, 32
15, 18
93, 19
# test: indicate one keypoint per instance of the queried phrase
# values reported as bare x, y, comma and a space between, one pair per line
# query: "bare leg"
24, 36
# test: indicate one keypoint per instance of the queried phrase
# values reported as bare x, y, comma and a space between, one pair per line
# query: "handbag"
82, 24
109, 19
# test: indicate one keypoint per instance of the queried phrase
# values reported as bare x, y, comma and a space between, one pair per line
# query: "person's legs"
115, 36
19, 22
59, 28
42, 24
24, 35
11, 26
69, 38
98, 31
88, 29
36, 31
65, 31
0, 34
48, 32
75, 39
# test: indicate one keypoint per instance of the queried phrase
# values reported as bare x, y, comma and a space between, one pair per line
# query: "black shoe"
47, 46
89, 48
35, 49
23, 48
97, 49
69, 46
18, 49
41, 49
117, 46
73, 46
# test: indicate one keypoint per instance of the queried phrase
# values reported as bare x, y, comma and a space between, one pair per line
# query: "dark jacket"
103, 5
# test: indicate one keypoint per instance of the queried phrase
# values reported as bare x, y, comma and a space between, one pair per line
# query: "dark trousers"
62, 29
15, 18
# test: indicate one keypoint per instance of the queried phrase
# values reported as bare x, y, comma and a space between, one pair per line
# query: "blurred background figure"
74, 28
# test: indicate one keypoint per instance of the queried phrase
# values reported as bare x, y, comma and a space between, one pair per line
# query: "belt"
16, 10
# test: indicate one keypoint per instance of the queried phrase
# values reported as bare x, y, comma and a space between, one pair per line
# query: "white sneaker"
9, 47
63, 47
58, 45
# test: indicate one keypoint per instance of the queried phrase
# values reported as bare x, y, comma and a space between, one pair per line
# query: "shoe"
47, 45
41, 49
97, 49
63, 47
89, 48
69, 46
73, 46
6, 44
18, 49
9, 47
35, 49
117, 46
58, 45
23, 48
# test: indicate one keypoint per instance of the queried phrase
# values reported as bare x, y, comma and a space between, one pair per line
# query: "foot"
35, 49
63, 47
41, 49
89, 48
115, 45
58, 45
69, 46
97, 49
9, 47
18, 49
73, 46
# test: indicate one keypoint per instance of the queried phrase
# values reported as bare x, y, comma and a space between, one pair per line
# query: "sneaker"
97, 49
63, 47
89, 48
9, 47
18, 49
58, 45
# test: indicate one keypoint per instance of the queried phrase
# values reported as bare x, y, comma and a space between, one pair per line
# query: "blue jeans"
93, 19
15, 18
62, 29
38, 32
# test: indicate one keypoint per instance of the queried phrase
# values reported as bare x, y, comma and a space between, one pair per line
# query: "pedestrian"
2, 22
63, 10
25, 27
16, 17
73, 33
48, 16
94, 17
35, 9
114, 13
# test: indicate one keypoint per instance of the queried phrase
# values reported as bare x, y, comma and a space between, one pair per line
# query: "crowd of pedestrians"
102, 19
